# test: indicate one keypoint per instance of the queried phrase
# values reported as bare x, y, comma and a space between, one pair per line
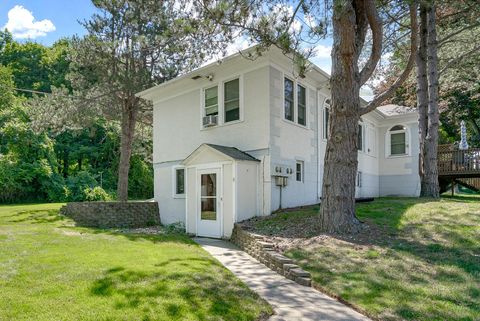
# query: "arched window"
398, 140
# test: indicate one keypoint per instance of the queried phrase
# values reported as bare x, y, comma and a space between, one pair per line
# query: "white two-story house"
241, 138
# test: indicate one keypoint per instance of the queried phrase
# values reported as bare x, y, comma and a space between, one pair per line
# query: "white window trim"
302, 166
295, 102
358, 181
221, 104
388, 146
174, 181
362, 148
324, 118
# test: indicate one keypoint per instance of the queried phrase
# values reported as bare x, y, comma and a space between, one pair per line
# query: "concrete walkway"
290, 301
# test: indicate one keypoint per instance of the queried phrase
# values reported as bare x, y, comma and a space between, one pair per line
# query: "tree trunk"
422, 91
337, 211
431, 185
66, 163
129, 120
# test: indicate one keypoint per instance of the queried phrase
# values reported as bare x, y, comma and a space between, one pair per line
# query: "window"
398, 145
179, 181
360, 137
359, 179
223, 101
211, 101
299, 171
326, 117
301, 105
232, 100
288, 104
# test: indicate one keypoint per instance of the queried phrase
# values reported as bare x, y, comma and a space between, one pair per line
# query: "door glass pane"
209, 182
209, 211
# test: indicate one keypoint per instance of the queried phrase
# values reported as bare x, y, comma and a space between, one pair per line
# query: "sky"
46, 21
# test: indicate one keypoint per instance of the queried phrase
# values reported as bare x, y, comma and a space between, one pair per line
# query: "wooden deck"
454, 163
458, 167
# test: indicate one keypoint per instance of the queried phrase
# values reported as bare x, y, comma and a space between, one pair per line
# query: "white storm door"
209, 216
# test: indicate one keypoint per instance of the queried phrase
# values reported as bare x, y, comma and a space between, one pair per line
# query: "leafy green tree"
131, 46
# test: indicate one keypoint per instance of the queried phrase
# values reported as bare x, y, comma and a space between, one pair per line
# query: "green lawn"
51, 270
417, 260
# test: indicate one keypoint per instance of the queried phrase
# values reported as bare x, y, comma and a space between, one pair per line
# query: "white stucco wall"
290, 142
399, 174
228, 208
246, 179
177, 129
172, 209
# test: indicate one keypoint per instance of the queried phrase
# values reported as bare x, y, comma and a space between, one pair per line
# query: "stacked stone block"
113, 214
256, 246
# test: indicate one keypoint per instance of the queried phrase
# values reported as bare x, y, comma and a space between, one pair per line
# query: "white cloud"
322, 51
22, 24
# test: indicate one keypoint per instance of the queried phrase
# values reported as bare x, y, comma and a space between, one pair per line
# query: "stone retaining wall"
256, 246
113, 214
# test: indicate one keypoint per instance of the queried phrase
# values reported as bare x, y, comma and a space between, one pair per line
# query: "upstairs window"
211, 101
360, 137
289, 103
301, 105
326, 117
232, 100
398, 140
299, 171
179, 181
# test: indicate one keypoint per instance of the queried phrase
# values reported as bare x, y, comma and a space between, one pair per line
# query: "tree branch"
459, 58
379, 99
377, 36
442, 41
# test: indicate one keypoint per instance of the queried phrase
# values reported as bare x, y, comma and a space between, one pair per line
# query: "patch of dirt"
303, 233
71, 233
144, 230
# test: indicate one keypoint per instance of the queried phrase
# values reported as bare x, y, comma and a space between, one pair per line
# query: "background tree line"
69, 163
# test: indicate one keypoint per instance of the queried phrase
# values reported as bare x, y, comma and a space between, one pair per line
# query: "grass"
418, 260
51, 270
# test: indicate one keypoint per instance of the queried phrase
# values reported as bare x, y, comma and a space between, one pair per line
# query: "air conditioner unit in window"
209, 121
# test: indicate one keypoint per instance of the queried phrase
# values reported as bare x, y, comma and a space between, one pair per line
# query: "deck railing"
455, 162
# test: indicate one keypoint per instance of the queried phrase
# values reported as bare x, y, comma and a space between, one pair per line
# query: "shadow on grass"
193, 288
162, 236
35, 217
424, 267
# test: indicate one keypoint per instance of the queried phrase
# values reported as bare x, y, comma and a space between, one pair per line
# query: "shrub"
96, 194
77, 185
